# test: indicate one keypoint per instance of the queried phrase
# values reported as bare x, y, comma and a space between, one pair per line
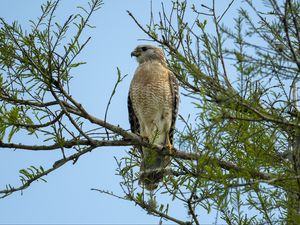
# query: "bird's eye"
144, 49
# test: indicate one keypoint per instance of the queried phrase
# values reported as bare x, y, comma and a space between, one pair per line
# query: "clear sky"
66, 198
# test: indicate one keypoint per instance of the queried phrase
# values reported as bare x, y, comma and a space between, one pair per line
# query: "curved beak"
135, 53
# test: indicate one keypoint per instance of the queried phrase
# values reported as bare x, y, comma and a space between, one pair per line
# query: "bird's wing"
133, 120
175, 98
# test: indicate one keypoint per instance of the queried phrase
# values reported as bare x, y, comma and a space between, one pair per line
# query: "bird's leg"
168, 145
143, 134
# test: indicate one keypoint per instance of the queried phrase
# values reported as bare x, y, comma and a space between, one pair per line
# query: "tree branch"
55, 166
66, 144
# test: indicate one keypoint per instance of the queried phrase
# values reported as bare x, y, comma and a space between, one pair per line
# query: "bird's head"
145, 53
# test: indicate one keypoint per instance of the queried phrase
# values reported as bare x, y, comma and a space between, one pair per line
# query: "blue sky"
66, 198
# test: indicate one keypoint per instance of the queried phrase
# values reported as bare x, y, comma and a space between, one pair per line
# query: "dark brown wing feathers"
175, 96
134, 123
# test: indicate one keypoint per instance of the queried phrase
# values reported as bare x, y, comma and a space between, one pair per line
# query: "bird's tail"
153, 167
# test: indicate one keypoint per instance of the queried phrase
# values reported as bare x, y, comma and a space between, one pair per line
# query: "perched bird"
152, 107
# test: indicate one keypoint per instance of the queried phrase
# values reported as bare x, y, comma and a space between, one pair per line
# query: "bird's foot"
169, 147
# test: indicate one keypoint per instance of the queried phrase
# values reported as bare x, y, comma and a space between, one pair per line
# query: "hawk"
152, 107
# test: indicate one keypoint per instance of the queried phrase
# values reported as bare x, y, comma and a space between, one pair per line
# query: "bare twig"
36, 126
229, 5
55, 166
119, 80
65, 144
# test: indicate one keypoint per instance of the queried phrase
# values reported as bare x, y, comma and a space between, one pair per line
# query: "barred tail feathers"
152, 168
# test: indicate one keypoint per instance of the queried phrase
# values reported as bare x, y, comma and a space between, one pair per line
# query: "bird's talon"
169, 147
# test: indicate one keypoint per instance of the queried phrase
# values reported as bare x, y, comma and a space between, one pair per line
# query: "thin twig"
65, 144
225, 11
55, 166
119, 80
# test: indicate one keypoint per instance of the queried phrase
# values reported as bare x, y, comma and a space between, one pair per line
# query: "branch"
55, 166
190, 205
287, 34
119, 80
155, 212
222, 163
27, 102
229, 5
36, 126
270, 181
66, 144
144, 205
116, 129
61, 103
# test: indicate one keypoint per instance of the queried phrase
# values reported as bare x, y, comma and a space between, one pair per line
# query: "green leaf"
12, 132
74, 65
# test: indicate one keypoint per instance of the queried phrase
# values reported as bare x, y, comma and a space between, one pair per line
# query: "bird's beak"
135, 53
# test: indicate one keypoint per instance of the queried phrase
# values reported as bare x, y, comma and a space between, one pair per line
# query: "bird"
153, 101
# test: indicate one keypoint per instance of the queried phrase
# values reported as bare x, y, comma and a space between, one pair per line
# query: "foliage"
242, 81
238, 155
